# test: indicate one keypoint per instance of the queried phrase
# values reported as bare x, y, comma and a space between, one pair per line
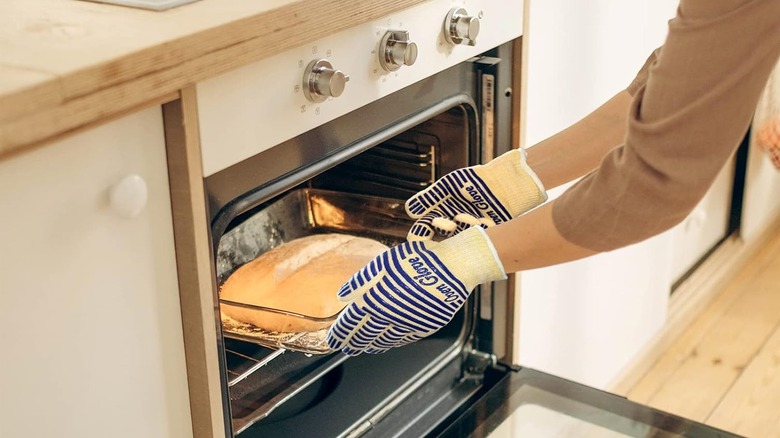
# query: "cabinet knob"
129, 196
696, 219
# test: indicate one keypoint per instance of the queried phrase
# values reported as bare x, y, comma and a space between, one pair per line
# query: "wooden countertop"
66, 64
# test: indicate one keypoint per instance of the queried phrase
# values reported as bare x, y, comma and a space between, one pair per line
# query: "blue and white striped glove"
485, 195
412, 290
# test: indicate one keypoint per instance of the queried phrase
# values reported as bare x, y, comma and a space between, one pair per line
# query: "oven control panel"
261, 105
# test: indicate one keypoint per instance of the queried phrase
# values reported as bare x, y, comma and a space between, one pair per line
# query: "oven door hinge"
475, 364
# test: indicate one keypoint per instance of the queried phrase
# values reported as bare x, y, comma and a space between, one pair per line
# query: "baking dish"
301, 213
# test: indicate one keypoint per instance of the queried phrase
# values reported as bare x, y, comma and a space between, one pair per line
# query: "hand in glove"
412, 290
483, 195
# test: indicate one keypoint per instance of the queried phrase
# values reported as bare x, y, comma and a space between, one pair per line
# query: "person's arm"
578, 149
532, 241
683, 125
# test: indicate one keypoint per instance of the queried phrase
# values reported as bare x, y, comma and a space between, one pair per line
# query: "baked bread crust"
301, 276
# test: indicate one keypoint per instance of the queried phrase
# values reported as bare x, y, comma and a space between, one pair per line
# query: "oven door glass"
523, 402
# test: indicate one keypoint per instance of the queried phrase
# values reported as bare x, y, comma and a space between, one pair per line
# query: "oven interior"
274, 392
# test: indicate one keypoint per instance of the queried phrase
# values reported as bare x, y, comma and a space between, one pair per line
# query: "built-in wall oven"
333, 137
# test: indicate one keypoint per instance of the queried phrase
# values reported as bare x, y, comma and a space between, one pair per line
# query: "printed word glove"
412, 290
483, 195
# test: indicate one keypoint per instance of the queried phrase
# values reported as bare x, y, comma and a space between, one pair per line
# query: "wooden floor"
725, 368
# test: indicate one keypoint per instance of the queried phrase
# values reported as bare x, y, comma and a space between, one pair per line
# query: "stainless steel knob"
396, 50
321, 81
460, 28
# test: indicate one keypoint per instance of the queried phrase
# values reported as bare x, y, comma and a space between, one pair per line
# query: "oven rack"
397, 168
257, 395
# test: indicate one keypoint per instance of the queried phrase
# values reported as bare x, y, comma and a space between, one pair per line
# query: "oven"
333, 137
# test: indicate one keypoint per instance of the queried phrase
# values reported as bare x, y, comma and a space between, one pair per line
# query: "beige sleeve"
685, 121
641, 77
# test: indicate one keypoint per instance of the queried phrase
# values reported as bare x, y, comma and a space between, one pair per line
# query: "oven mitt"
412, 290
484, 194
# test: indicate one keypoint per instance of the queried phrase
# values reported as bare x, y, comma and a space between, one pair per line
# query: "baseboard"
691, 296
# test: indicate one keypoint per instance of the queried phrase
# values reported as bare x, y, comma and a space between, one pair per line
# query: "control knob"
321, 81
396, 50
460, 28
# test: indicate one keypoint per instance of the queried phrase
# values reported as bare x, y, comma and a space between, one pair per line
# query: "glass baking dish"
301, 213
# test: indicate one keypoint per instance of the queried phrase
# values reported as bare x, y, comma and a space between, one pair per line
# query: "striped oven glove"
484, 194
412, 290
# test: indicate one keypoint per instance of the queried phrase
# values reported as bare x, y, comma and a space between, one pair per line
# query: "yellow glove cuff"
471, 256
513, 182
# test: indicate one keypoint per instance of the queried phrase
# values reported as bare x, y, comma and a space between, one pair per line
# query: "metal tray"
301, 213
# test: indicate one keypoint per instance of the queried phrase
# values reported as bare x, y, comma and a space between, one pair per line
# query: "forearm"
682, 126
531, 241
578, 149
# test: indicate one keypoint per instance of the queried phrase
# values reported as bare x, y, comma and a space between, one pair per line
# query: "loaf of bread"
301, 276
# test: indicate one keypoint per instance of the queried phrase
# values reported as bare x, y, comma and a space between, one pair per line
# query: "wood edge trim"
522, 87
697, 292
512, 347
517, 86
38, 125
512, 321
194, 267
12, 151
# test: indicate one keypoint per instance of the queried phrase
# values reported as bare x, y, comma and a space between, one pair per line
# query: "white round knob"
696, 219
128, 197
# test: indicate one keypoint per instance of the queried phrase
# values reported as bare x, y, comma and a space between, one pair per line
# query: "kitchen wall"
585, 320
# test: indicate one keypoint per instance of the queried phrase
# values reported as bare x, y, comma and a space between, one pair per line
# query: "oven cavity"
278, 378
405, 164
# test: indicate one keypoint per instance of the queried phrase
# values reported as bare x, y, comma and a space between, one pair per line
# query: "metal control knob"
396, 50
321, 81
460, 28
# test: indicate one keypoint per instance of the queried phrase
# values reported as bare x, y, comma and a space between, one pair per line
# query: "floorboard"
725, 368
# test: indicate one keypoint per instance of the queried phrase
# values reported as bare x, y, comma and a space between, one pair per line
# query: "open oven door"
523, 402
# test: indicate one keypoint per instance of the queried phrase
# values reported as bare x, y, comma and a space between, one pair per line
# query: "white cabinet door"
705, 226
761, 206
90, 327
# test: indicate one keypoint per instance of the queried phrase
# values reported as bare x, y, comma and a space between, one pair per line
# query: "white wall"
585, 320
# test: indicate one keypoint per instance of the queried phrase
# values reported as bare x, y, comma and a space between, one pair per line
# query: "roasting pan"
301, 213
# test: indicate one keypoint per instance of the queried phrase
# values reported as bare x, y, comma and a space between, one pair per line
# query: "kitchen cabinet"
705, 226
761, 206
90, 322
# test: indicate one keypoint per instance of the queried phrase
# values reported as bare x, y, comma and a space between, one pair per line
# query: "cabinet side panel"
194, 264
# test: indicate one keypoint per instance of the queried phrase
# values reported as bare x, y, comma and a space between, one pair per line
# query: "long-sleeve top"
693, 102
